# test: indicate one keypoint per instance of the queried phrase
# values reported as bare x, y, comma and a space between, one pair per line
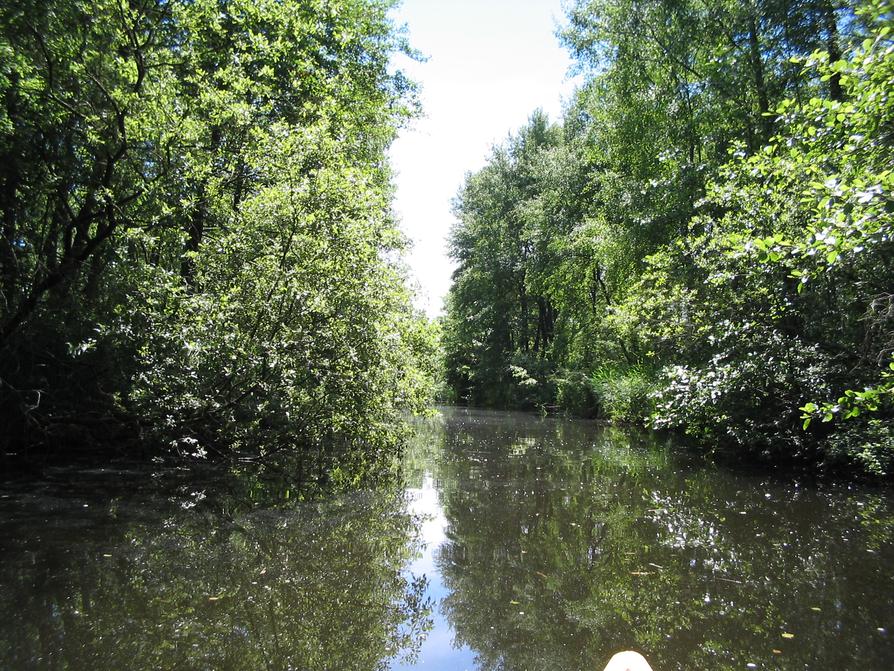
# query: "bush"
531, 385
866, 444
576, 395
624, 395
747, 394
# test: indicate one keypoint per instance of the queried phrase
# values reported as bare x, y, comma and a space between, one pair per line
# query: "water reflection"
564, 543
515, 544
439, 650
109, 571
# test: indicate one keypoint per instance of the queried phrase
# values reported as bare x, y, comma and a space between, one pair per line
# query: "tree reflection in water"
113, 573
566, 543
562, 544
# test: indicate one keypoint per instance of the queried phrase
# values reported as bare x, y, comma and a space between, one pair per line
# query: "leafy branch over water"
197, 242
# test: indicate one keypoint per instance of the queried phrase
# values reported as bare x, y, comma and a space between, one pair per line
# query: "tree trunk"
834, 50
198, 219
757, 69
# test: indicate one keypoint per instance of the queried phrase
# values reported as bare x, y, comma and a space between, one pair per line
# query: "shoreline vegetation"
703, 243
198, 252
199, 257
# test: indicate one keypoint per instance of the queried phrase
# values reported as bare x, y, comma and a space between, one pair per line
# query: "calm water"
513, 543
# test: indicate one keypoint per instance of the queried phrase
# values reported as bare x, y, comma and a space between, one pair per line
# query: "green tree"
711, 223
501, 324
197, 238
799, 268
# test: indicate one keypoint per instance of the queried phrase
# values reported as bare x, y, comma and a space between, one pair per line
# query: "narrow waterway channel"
511, 542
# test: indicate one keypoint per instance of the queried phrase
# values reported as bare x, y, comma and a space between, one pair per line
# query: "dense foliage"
704, 242
197, 239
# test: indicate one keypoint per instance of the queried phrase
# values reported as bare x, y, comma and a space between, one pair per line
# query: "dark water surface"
514, 543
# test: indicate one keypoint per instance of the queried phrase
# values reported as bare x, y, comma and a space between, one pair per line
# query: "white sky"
490, 64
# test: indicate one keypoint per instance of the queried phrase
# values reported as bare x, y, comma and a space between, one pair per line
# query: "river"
510, 542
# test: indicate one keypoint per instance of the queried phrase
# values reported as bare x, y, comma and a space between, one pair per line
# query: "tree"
501, 323
710, 232
197, 234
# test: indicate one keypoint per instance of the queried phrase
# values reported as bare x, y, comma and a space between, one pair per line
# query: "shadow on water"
169, 570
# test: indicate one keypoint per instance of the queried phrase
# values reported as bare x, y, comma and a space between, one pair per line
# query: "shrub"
576, 394
624, 395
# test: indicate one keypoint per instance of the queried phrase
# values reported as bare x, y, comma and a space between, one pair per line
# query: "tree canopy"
703, 242
197, 239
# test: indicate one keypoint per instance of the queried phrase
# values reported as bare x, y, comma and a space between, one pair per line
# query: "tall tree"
196, 222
